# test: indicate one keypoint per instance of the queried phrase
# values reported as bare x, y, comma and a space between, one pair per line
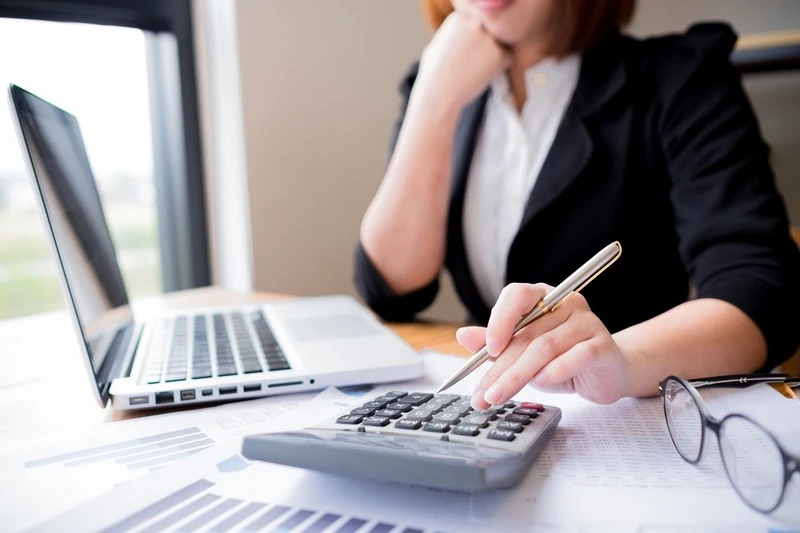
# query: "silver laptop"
196, 355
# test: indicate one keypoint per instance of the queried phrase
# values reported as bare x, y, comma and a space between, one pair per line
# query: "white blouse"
509, 154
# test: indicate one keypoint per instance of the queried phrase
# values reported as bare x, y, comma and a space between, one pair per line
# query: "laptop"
192, 355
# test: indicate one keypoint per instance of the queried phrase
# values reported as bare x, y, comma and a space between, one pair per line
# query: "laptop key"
226, 370
279, 366
175, 376
201, 373
251, 367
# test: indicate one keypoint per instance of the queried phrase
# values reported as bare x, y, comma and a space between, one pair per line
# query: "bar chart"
151, 452
197, 507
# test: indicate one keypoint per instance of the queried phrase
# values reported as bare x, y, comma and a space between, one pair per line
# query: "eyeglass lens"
684, 420
753, 461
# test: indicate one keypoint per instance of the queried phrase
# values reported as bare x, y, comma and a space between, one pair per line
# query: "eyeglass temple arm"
741, 381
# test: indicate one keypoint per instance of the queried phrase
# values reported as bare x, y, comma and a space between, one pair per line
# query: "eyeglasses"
758, 467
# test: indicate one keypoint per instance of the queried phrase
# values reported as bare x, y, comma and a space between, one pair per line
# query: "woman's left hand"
566, 350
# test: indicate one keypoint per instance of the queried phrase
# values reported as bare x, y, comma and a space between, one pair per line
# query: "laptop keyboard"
235, 343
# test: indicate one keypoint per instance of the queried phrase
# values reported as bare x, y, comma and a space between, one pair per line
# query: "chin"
507, 34
507, 21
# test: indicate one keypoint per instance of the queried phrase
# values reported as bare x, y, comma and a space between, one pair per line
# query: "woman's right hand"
459, 62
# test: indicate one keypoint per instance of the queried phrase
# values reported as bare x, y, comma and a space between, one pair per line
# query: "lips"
492, 5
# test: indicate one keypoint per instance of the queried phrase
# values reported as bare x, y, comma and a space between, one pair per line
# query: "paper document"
607, 468
219, 490
43, 479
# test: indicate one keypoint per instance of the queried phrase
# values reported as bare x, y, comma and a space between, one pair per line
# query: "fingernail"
493, 394
493, 345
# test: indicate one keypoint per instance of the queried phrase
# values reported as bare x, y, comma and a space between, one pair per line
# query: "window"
99, 74
126, 69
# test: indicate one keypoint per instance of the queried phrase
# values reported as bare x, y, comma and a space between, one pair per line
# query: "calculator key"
510, 405
403, 407
533, 413
433, 405
522, 419
447, 398
501, 434
532, 405
476, 420
408, 424
450, 418
376, 421
516, 427
460, 410
436, 427
466, 430
388, 413
349, 419
387, 399
491, 413
415, 398
363, 411
374, 405
420, 414
396, 393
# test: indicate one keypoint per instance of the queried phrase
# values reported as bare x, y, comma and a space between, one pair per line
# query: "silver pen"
574, 283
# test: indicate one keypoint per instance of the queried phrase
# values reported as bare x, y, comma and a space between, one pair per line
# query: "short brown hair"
583, 22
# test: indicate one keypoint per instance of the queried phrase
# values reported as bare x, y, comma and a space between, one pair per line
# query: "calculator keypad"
442, 414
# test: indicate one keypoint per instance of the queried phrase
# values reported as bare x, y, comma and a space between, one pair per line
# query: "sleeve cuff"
769, 307
381, 299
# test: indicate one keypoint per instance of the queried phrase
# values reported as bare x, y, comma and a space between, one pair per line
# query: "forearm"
404, 228
703, 337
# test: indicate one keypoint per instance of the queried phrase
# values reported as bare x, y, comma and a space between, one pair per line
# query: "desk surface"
44, 387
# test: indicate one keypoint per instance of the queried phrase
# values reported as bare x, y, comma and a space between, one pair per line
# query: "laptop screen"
73, 213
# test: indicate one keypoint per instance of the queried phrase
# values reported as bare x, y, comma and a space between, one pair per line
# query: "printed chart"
197, 507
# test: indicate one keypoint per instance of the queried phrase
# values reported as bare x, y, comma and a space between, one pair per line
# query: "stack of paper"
607, 468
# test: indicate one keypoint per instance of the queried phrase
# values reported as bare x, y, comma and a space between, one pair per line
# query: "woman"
533, 133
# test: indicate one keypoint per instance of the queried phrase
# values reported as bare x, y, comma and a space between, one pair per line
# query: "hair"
582, 22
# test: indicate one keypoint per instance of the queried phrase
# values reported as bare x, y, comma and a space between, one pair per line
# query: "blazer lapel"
602, 76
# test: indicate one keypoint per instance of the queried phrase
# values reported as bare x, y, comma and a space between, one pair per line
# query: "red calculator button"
531, 405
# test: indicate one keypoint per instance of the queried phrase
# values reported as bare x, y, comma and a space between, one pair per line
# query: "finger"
539, 353
586, 355
515, 301
500, 366
473, 338
518, 344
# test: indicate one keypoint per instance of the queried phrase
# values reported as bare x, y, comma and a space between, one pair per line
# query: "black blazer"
660, 150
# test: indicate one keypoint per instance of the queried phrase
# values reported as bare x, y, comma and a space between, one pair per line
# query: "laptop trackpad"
323, 328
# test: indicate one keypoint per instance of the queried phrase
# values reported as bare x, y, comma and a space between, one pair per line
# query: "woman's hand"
459, 62
566, 350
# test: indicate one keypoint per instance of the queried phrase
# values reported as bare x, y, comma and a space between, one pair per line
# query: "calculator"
418, 438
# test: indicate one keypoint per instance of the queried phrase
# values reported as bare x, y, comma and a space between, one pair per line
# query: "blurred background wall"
319, 96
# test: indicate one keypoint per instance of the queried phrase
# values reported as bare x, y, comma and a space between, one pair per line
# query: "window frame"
177, 148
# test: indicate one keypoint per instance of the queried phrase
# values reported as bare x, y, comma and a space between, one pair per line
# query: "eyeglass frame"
791, 463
